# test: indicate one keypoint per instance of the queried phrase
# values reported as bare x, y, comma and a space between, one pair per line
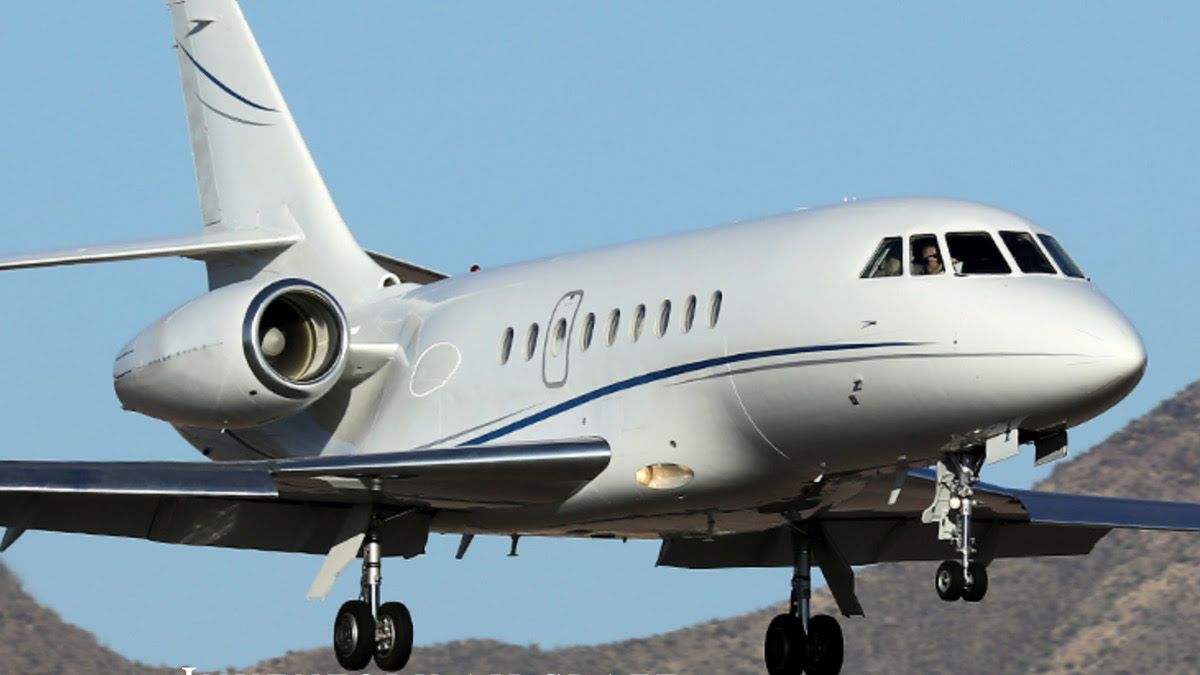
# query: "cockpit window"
975, 253
926, 255
1025, 251
886, 260
1060, 256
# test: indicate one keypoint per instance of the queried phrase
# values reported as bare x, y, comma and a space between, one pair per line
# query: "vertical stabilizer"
253, 168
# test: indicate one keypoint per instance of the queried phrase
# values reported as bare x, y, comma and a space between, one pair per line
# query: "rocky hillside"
1130, 607
34, 639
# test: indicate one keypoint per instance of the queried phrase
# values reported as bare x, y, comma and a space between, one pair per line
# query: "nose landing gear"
953, 502
796, 643
364, 628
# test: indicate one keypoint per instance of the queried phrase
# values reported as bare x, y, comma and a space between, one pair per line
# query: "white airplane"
760, 394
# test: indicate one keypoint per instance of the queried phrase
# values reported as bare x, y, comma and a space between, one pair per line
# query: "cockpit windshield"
886, 261
1060, 256
1025, 251
975, 253
969, 253
926, 256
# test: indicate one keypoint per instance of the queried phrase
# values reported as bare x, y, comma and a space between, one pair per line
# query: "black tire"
979, 583
395, 636
354, 635
825, 646
949, 582
785, 647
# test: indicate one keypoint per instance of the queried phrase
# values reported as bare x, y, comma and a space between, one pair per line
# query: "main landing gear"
798, 644
364, 628
954, 499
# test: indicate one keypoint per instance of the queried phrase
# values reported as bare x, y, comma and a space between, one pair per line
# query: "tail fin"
253, 168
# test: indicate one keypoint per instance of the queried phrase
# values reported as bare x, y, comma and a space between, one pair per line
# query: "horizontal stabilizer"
200, 246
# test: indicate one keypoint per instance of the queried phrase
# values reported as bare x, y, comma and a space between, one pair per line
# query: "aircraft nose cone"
1122, 360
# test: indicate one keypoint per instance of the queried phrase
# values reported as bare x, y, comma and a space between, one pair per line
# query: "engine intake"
294, 335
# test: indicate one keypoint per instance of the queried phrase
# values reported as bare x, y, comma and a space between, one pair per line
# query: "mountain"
1129, 607
34, 639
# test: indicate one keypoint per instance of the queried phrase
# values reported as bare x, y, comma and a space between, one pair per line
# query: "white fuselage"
808, 371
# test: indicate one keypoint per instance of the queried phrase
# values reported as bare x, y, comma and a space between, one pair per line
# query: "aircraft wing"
855, 516
291, 504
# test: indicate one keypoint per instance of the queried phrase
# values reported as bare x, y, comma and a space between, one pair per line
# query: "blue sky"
461, 133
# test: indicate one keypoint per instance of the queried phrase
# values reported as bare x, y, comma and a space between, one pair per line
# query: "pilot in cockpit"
931, 259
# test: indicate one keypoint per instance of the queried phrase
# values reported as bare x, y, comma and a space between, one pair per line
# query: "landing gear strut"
365, 628
957, 473
798, 644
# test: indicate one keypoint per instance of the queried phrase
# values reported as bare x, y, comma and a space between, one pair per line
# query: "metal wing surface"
288, 505
855, 516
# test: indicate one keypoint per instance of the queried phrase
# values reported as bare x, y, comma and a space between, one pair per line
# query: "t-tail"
253, 169
266, 212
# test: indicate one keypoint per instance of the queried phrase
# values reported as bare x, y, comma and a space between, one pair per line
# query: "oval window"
559, 338
689, 313
531, 341
714, 309
506, 343
664, 318
639, 322
589, 326
614, 326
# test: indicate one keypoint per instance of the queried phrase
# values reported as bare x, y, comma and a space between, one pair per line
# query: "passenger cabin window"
531, 341
886, 260
639, 322
664, 318
714, 308
559, 338
926, 255
975, 253
689, 313
1025, 251
589, 327
506, 343
614, 326
1060, 256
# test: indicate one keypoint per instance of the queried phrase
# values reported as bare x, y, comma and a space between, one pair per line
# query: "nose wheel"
951, 582
954, 500
796, 643
364, 628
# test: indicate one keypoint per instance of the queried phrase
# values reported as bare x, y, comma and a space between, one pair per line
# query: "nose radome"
1125, 361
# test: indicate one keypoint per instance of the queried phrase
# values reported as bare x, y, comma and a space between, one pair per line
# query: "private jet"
823, 387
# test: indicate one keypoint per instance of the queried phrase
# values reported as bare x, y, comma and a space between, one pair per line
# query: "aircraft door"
556, 351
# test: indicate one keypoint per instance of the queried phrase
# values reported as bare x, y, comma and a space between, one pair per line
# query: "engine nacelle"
240, 356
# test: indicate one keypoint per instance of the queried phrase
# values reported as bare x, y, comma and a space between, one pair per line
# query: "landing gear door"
556, 352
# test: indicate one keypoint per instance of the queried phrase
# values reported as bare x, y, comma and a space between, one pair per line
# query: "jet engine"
240, 356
